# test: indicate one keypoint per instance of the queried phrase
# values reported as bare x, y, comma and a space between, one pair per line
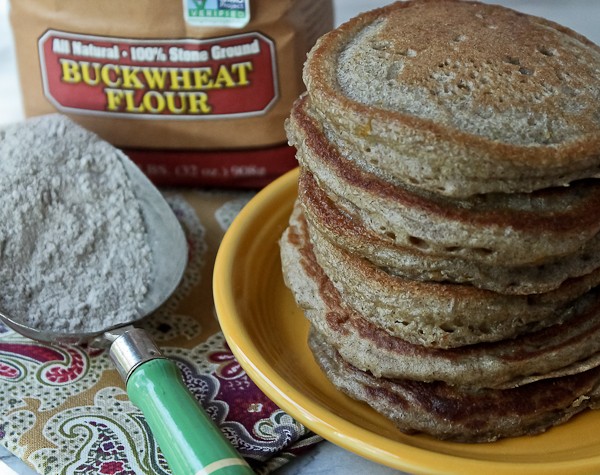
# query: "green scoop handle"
190, 441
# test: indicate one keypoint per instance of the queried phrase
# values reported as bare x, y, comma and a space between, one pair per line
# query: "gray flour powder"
74, 255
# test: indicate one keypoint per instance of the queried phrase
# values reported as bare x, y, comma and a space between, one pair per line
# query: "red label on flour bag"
187, 79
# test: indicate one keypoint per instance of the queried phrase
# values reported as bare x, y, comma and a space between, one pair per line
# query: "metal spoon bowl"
169, 255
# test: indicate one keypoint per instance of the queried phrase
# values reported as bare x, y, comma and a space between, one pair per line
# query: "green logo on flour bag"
229, 13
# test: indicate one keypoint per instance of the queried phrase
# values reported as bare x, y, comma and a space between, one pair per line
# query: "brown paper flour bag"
196, 92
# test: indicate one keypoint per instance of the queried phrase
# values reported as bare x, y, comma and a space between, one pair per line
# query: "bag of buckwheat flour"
194, 91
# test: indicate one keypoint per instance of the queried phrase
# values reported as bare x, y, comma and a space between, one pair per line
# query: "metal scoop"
191, 443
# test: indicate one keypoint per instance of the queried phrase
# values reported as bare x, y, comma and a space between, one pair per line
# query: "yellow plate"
267, 333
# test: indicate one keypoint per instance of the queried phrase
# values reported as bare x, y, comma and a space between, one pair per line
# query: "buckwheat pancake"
506, 229
559, 350
347, 232
488, 100
462, 414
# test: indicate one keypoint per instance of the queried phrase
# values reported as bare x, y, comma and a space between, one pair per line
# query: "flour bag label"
232, 76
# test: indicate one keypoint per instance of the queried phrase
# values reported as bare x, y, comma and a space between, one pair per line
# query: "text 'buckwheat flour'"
74, 255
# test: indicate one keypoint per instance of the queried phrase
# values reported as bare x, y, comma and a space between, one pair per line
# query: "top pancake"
460, 98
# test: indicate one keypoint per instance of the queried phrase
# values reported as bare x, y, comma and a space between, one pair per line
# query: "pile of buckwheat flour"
74, 255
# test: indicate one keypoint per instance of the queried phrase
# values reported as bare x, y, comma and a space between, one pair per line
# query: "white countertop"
581, 15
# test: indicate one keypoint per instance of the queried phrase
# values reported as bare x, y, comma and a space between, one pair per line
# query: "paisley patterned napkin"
65, 410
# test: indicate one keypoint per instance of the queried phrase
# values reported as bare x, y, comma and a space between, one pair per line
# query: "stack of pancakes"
445, 243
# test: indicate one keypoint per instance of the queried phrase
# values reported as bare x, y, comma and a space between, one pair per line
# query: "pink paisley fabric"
65, 410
